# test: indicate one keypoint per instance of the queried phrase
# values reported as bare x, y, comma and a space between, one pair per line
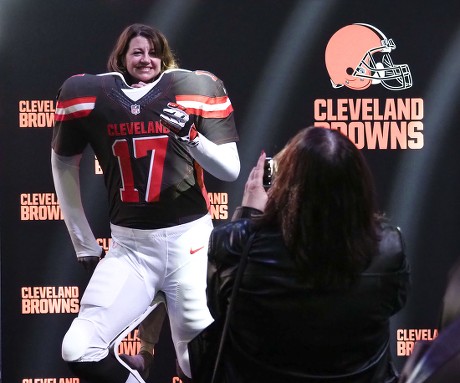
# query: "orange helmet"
358, 56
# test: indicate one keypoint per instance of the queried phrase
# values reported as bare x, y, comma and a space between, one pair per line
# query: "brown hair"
116, 62
322, 198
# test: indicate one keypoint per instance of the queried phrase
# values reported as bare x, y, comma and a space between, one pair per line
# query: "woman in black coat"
324, 275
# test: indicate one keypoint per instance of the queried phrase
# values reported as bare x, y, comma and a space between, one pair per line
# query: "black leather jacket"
282, 331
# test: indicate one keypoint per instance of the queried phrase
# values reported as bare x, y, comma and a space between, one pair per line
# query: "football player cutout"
154, 129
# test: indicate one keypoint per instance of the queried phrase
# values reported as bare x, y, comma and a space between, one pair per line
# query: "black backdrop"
270, 54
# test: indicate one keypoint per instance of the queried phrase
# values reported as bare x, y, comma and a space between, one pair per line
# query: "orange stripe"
64, 114
202, 99
75, 101
211, 113
221, 113
71, 116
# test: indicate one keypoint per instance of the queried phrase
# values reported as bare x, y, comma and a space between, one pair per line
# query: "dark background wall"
270, 54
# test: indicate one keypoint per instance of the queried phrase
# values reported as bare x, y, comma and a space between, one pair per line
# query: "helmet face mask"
358, 56
383, 70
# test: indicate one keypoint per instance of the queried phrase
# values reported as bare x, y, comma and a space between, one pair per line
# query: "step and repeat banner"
385, 73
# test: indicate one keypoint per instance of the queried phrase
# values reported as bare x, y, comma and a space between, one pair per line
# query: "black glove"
176, 119
90, 263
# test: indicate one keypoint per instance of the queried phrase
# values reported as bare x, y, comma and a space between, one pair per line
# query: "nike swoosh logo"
193, 251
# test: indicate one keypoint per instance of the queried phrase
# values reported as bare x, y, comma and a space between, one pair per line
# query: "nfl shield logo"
135, 109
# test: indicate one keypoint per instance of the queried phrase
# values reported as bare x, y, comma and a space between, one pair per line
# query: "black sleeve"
245, 212
224, 253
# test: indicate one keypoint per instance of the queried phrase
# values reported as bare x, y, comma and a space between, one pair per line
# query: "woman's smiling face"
141, 60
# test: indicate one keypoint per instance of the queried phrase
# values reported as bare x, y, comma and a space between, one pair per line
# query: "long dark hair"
116, 62
323, 200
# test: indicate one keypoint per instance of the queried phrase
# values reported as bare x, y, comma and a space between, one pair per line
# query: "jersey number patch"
143, 147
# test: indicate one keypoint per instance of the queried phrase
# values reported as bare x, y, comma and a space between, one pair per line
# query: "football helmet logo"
358, 56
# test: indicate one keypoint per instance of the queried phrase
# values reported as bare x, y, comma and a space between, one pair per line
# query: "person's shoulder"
205, 74
391, 250
196, 77
111, 76
80, 82
391, 239
238, 229
176, 73
88, 78
207, 79
85, 84
191, 73
230, 237
80, 78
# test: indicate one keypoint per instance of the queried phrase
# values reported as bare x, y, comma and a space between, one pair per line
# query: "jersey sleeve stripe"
74, 108
207, 107
202, 99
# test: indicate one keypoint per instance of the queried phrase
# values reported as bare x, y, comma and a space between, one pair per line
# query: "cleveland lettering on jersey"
135, 128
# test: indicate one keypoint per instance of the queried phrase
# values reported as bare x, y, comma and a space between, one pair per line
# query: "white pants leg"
115, 296
138, 264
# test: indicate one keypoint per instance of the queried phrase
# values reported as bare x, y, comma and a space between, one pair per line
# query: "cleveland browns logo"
358, 56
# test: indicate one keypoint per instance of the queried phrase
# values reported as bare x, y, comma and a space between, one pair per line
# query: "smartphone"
268, 172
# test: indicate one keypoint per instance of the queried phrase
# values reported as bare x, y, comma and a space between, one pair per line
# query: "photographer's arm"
255, 196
